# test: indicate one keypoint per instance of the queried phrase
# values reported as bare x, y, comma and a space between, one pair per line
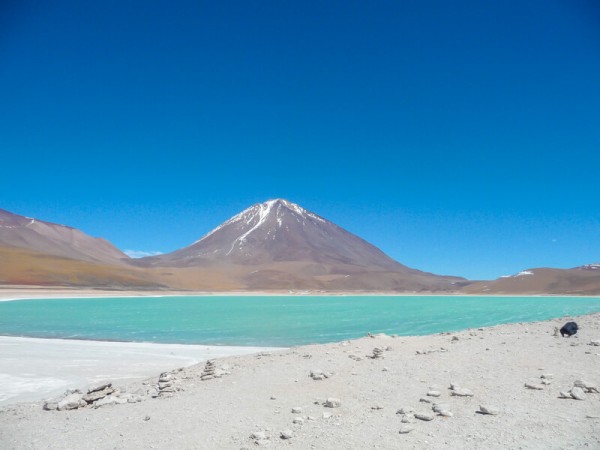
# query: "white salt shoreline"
33, 369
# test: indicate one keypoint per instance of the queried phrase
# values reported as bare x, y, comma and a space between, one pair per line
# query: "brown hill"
280, 245
583, 280
54, 239
20, 266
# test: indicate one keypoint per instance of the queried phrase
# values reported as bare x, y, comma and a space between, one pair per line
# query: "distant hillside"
583, 280
54, 239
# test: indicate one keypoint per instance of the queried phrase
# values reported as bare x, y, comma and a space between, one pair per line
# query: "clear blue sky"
460, 137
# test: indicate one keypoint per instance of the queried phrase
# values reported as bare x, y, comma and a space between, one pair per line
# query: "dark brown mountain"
582, 280
278, 244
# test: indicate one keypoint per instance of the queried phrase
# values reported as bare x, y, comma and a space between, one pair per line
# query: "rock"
404, 429
91, 397
376, 407
534, 386
297, 410
595, 342
99, 387
454, 338
405, 410
491, 410
588, 387
546, 382
445, 413
440, 407
546, 376
327, 415
424, 400
286, 434
462, 392
385, 369
318, 374
311, 418
578, 394
424, 416
147, 418
564, 394
408, 418
50, 406
71, 401
298, 420
434, 393
333, 403
454, 386
258, 435
109, 400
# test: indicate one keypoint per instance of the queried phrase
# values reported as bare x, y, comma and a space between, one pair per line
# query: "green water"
272, 321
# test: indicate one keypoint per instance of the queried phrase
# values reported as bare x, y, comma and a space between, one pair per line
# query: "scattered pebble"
404, 429
588, 387
434, 393
578, 394
490, 410
286, 434
327, 415
424, 416
405, 410
298, 420
296, 410
462, 392
333, 403
534, 386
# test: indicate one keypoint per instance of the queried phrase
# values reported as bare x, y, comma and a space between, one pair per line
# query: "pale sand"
261, 390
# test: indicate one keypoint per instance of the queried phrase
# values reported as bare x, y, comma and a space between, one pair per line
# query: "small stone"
445, 413
564, 394
286, 434
273, 397
258, 435
424, 416
454, 338
333, 403
109, 400
297, 410
578, 394
327, 415
454, 386
405, 429
424, 400
534, 386
298, 420
50, 406
546, 382
376, 407
405, 410
462, 392
385, 369
547, 376
99, 387
491, 410
71, 401
440, 407
434, 393
91, 397
586, 386
408, 418
311, 418
595, 342
147, 418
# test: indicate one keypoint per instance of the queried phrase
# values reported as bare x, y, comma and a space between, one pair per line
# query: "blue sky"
459, 137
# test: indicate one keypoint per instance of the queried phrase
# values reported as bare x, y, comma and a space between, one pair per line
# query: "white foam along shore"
33, 369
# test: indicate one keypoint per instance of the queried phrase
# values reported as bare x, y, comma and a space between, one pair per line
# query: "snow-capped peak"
257, 214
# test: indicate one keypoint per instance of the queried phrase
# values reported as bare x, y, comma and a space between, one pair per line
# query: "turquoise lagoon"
272, 320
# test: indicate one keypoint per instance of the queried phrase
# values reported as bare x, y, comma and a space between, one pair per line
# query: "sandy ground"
257, 393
